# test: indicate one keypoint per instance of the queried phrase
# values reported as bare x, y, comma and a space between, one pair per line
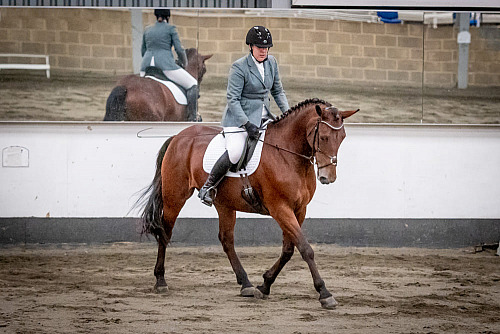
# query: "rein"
312, 158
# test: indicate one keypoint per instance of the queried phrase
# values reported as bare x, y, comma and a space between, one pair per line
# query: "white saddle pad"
217, 147
176, 91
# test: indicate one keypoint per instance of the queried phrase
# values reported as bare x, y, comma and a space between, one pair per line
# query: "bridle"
317, 149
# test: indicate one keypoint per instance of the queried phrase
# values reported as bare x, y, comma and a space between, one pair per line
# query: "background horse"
285, 181
142, 99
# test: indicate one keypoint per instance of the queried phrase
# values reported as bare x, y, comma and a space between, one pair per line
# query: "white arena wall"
65, 173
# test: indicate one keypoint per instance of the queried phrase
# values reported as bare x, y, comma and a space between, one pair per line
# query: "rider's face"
259, 53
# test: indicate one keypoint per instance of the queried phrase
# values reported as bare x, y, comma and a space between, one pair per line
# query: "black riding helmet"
165, 13
259, 36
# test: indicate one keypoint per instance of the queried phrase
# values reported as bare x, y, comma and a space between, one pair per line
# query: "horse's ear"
318, 110
205, 58
348, 113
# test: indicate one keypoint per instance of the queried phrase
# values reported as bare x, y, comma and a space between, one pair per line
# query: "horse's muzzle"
325, 180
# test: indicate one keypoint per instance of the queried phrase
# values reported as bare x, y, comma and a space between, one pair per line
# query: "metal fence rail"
140, 3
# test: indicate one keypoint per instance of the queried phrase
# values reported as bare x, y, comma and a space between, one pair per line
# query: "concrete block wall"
484, 57
99, 41
354, 52
84, 40
441, 56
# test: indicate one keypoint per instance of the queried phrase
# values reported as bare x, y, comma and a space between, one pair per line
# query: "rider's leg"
192, 95
181, 77
188, 82
208, 191
235, 143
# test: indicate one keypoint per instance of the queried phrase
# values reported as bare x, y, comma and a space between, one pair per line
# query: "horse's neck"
192, 67
292, 131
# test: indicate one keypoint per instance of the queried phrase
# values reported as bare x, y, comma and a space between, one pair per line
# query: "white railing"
25, 66
425, 17
320, 14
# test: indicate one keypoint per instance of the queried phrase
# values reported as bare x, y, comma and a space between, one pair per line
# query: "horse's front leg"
325, 297
291, 229
227, 220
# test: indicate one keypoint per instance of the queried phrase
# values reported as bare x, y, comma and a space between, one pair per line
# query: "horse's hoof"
247, 292
161, 288
259, 295
328, 303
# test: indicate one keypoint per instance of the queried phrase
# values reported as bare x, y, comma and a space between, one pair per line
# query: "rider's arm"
235, 84
277, 90
176, 42
143, 47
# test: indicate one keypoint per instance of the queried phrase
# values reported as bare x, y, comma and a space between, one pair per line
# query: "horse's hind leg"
170, 213
227, 220
163, 240
287, 250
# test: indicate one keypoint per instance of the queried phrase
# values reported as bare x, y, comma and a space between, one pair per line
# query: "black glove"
252, 130
182, 60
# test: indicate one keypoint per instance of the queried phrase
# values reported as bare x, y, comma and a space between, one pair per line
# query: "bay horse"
307, 134
143, 99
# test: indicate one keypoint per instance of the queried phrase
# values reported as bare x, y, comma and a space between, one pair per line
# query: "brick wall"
99, 41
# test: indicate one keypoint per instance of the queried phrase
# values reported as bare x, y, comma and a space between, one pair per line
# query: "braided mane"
300, 106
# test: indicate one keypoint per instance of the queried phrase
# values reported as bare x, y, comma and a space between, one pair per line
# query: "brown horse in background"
309, 133
143, 99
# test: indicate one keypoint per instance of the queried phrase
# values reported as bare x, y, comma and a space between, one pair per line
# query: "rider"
157, 43
251, 79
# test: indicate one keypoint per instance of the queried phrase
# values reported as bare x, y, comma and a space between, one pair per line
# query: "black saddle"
248, 151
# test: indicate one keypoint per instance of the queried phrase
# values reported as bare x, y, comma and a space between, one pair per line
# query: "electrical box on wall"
15, 156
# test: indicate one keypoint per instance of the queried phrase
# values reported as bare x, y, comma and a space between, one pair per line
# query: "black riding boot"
208, 191
192, 104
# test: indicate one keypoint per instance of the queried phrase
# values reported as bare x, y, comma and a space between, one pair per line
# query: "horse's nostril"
323, 180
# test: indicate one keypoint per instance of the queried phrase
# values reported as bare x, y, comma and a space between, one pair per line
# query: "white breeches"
235, 142
179, 76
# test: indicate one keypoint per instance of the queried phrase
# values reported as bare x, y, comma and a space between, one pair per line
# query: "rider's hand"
182, 60
252, 130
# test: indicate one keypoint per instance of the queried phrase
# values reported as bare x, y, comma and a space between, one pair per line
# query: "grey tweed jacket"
247, 92
157, 41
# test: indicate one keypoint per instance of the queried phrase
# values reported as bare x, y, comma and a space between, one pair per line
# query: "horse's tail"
115, 105
152, 216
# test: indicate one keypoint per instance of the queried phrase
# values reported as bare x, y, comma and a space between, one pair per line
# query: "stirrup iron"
207, 192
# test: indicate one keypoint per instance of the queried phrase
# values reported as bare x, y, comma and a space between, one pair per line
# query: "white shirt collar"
260, 67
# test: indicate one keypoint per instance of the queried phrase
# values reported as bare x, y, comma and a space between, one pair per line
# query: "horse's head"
196, 64
325, 134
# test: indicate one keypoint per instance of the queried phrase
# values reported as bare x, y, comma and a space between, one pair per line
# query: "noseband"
317, 149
